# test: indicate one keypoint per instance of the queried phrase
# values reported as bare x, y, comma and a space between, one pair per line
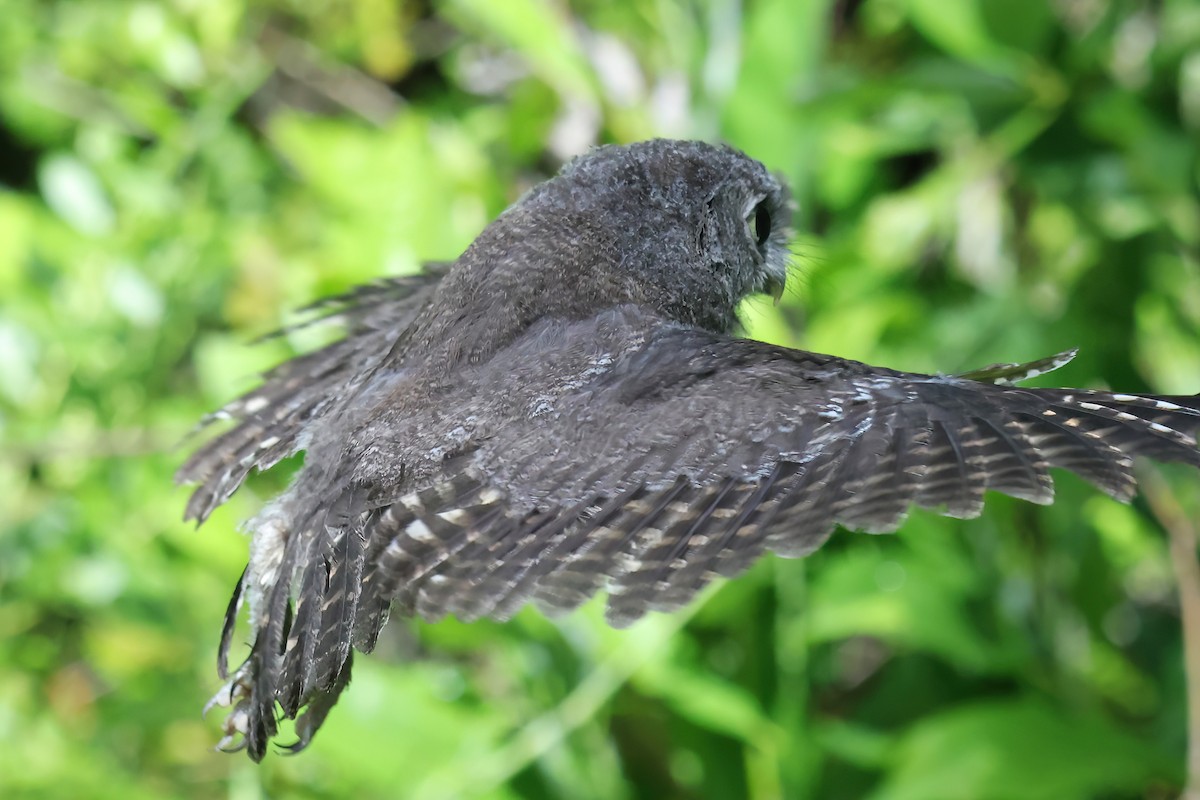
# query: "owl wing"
697, 453
686, 457
270, 421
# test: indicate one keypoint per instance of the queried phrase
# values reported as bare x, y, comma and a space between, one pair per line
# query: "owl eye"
759, 221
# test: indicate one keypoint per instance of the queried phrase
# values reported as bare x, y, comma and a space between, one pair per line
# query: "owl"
566, 409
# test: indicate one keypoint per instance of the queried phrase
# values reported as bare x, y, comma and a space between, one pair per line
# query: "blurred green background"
978, 181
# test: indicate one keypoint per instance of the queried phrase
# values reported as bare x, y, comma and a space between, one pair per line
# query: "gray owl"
565, 409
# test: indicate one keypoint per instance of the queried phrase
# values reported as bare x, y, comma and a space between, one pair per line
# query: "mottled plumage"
565, 409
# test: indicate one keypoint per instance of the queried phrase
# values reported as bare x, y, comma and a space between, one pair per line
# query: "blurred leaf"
74, 193
710, 702
1025, 749
901, 599
540, 33
1026, 25
959, 29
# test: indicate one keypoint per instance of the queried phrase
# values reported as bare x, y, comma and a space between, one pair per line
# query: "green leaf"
958, 28
1024, 749
709, 702
540, 33
72, 190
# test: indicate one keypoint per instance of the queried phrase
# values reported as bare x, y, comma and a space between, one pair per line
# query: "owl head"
686, 228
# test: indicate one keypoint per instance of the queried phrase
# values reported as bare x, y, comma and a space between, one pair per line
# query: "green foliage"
977, 181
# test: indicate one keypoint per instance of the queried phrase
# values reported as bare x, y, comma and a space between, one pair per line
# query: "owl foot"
235, 694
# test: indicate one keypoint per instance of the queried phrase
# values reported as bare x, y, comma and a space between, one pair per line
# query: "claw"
231, 744
223, 698
293, 748
236, 694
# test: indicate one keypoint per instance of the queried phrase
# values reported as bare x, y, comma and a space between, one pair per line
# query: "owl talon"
235, 694
231, 743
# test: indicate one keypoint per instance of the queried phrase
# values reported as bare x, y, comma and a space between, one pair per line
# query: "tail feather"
231, 614
258, 678
339, 610
319, 706
301, 646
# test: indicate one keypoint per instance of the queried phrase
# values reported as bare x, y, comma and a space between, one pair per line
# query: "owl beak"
775, 287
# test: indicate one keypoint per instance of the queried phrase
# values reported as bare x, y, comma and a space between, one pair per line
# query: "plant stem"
1183, 538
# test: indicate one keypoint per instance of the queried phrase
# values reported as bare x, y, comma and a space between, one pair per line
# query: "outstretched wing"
676, 457
272, 419
696, 453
